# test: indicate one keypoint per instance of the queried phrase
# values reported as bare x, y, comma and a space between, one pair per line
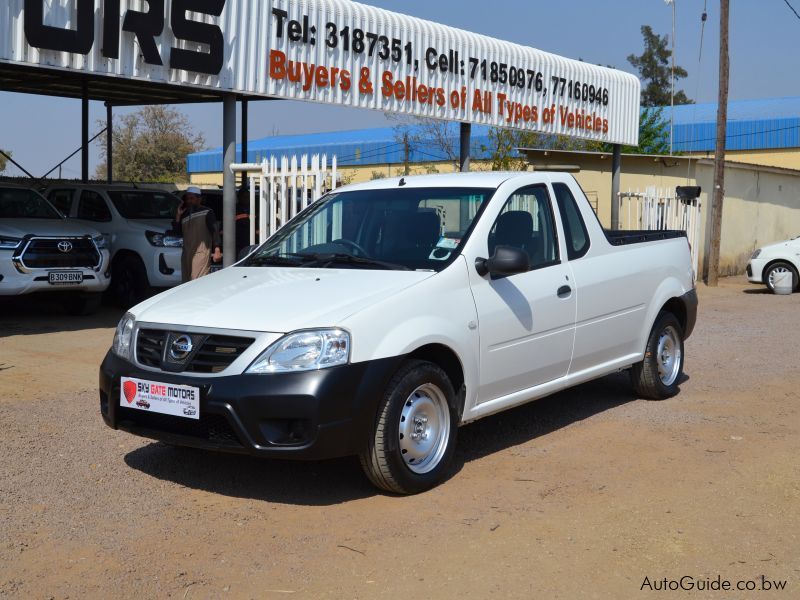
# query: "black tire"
781, 267
129, 284
81, 305
411, 396
647, 380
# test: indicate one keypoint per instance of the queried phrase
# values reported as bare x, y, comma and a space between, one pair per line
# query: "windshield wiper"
325, 260
286, 260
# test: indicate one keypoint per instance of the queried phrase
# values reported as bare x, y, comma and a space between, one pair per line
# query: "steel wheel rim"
424, 428
668, 356
778, 271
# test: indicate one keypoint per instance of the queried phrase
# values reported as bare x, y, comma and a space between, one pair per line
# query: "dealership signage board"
329, 51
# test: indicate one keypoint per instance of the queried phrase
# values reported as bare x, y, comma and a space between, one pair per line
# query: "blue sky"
765, 63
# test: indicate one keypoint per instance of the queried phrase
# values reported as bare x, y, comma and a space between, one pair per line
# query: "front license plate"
65, 277
164, 398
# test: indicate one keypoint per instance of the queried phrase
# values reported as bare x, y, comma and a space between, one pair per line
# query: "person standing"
201, 240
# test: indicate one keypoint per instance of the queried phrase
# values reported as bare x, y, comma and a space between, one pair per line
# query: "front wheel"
657, 376
778, 269
414, 437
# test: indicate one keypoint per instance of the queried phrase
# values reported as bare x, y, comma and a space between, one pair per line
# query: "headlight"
122, 338
305, 351
9, 243
100, 241
162, 240
756, 254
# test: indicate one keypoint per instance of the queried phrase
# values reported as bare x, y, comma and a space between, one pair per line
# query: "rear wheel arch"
676, 307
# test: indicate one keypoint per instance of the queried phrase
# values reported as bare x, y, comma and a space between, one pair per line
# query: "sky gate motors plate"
167, 399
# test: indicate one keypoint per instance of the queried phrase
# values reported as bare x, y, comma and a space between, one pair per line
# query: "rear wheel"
657, 376
129, 284
412, 443
777, 269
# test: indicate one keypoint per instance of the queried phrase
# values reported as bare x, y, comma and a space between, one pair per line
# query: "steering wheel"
352, 244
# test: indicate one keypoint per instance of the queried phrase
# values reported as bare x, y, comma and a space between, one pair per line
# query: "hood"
159, 225
793, 243
274, 299
19, 228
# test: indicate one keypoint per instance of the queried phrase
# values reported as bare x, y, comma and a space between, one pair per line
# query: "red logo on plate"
129, 389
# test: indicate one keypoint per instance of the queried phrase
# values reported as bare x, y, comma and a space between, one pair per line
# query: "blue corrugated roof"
773, 123
355, 147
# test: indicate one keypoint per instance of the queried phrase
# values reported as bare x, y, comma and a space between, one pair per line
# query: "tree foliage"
655, 71
4, 161
151, 145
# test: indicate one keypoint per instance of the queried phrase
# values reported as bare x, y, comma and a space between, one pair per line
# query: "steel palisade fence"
281, 188
658, 209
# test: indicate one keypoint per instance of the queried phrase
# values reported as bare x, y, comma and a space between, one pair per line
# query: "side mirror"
244, 252
506, 261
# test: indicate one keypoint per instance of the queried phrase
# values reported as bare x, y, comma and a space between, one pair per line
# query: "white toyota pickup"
389, 313
40, 251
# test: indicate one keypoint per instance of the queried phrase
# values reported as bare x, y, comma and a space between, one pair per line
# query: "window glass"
416, 228
142, 204
93, 207
577, 237
21, 203
526, 222
62, 200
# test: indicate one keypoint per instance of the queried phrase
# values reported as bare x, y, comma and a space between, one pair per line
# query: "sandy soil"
580, 495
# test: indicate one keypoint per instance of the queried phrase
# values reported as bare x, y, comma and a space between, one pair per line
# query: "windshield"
20, 203
404, 228
141, 204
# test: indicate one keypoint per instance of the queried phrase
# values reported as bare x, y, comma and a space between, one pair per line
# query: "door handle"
564, 291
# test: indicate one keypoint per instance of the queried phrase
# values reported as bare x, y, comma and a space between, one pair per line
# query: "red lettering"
277, 64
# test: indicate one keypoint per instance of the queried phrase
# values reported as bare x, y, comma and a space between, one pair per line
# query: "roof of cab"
476, 179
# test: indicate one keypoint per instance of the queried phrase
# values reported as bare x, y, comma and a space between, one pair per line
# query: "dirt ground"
580, 495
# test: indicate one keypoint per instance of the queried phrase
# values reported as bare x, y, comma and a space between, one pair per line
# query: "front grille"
217, 353
214, 353
212, 428
150, 347
45, 254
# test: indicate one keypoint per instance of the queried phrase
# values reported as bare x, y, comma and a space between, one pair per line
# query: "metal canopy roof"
113, 90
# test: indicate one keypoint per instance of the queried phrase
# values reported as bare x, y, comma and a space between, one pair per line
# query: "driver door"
527, 321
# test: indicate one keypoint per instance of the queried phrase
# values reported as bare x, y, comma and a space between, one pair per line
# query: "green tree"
151, 145
655, 71
3, 161
653, 134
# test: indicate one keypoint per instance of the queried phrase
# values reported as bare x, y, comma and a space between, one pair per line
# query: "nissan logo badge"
65, 246
181, 347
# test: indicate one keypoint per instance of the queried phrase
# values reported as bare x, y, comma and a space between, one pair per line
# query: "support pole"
244, 158
85, 131
616, 168
466, 133
718, 196
228, 180
109, 142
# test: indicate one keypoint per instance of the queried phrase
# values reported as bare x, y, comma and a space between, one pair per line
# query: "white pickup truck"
135, 222
42, 252
388, 314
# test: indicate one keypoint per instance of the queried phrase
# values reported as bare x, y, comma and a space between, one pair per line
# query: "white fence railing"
657, 209
279, 189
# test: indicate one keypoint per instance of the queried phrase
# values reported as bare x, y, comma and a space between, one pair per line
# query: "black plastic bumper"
312, 415
690, 301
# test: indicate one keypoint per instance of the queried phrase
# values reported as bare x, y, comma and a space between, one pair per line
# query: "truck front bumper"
312, 415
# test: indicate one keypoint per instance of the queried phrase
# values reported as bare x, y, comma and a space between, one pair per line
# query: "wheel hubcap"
669, 356
424, 428
774, 272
